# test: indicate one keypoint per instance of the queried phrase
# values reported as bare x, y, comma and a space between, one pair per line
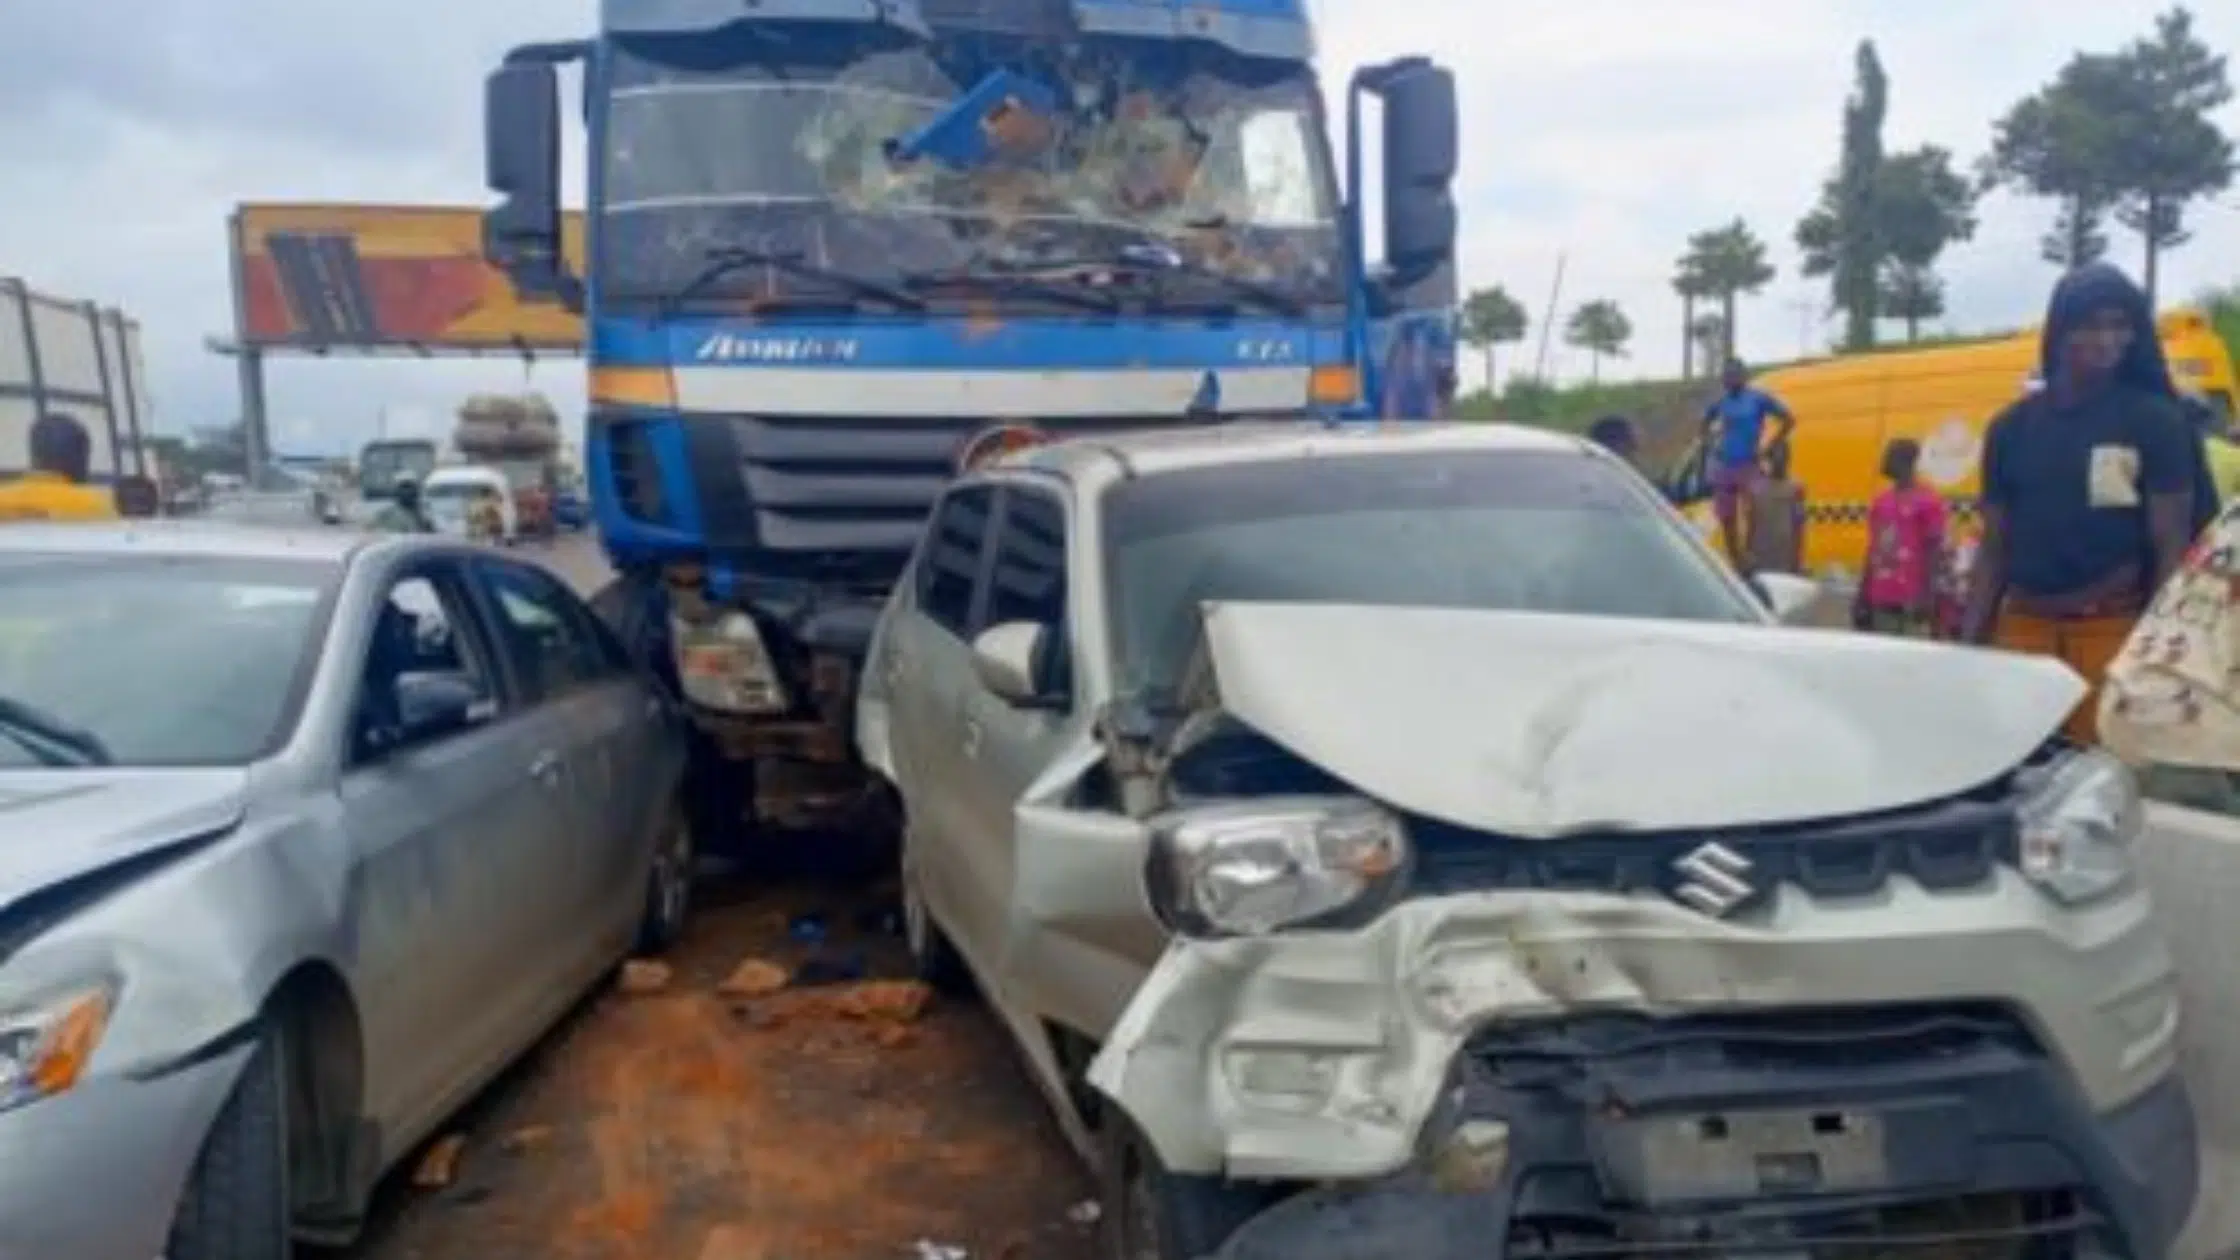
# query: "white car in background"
449, 493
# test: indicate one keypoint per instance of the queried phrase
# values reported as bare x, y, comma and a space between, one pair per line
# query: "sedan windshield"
1502, 530
776, 139
144, 661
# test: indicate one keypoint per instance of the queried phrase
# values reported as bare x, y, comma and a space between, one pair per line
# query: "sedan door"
592, 717
437, 814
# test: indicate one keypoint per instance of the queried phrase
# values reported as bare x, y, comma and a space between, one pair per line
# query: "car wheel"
1148, 1213
676, 859
235, 1206
936, 959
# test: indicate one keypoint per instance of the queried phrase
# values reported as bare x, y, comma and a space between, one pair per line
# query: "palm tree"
1601, 329
1687, 281
1731, 261
1491, 318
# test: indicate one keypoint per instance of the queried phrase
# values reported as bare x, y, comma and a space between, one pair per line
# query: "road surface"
826, 1121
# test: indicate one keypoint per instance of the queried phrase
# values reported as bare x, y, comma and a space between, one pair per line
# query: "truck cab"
830, 243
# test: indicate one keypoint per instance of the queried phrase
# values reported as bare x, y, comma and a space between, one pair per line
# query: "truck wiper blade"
1017, 284
724, 261
1159, 260
49, 738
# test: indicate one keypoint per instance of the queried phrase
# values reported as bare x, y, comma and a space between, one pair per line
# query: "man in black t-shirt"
2091, 487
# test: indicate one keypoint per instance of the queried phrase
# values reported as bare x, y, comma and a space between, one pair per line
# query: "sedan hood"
1537, 725
63, 824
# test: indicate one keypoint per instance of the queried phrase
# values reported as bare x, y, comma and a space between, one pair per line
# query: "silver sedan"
309, 835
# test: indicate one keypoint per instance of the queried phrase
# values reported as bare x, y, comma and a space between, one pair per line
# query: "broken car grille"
1949, 846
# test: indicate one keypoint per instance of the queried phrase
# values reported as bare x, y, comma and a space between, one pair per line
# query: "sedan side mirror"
1788, 596
433, 703
1007, 659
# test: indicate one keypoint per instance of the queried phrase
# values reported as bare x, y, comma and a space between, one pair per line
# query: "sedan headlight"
1250, 867
45, 1046
2077, 826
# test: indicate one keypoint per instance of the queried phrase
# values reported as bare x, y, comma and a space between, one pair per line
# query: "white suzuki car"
1414, 842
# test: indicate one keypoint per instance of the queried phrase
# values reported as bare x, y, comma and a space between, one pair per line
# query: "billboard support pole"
256, 446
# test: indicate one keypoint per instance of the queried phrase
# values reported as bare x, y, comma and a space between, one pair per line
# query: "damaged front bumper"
1915, 1132
1362, 1057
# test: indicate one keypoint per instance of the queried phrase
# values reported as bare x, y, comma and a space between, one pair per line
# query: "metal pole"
248, 360
1547, 322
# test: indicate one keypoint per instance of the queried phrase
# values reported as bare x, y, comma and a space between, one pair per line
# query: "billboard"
365, 277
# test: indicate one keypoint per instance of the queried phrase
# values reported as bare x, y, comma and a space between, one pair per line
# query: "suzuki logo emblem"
1713, 879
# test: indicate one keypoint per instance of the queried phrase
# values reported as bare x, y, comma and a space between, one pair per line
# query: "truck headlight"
1249, 867
723, 665
2077, 825
45, 1046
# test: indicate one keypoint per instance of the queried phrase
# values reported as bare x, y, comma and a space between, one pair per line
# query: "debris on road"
439, 1165
526, 1139
642, 977
891, 1001
927, 1249
1086, 1212
753, 978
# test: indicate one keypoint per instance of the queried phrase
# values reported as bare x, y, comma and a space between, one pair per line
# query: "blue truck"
833, 244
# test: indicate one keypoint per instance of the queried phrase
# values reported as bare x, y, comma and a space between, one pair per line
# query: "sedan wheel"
669, 886
235, 1204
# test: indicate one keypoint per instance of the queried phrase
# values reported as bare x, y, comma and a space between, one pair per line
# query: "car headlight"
1249, 867
2077, 825
45, 1046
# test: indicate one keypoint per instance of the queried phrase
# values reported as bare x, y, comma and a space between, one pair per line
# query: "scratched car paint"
1493, 873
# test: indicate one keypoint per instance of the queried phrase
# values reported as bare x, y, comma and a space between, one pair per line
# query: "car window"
950, 565
156, 660
551, 651
427, 674
1027, 580
1514, 531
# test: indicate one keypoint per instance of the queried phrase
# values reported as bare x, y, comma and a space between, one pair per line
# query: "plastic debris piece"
1086, 1212
439, 1165
927, 1249
641, 976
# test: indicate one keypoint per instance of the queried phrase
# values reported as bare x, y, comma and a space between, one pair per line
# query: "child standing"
1905, 549
1773, 524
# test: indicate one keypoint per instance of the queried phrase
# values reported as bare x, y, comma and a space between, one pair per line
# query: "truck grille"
791, 495
1950, 846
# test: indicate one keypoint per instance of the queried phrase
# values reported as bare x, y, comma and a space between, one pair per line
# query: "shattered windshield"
777, 139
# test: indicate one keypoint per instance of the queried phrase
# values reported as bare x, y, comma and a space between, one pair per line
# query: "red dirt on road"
819, 1122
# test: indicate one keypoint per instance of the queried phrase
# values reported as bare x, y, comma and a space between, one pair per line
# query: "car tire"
932, 955
1148, 1213
235, 1205
668, 908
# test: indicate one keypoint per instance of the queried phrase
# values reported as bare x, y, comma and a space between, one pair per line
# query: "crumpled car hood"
65, 823
1540, 725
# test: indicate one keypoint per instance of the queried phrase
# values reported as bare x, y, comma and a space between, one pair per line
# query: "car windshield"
775, 139
1521, 531
161, 661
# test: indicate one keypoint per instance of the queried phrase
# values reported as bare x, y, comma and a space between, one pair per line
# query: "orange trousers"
2085, 644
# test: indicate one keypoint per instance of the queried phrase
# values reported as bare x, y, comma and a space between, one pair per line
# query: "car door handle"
546, 768
972, 738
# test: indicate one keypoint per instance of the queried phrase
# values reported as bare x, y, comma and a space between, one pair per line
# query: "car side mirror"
433, 703
1007, 659
1788, 596
522, 235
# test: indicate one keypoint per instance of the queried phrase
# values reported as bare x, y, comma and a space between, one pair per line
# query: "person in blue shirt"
1734, 432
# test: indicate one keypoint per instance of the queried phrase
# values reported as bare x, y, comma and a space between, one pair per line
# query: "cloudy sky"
1600, 130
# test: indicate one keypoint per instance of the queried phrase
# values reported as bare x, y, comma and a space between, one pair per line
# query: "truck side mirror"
1421, 152
521, 236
